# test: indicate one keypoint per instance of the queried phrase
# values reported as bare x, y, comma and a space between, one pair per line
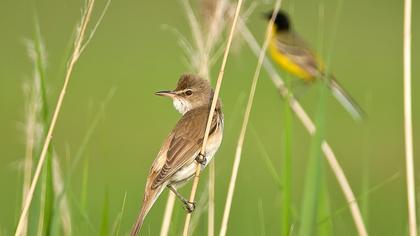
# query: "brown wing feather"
292, 46
185, 143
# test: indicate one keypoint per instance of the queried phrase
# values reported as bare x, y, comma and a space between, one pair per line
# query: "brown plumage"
175, 162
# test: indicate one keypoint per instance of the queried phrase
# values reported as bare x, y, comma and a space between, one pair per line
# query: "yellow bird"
292, 54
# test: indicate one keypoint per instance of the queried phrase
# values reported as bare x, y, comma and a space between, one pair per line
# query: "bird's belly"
287, 64
188, 171
183, 174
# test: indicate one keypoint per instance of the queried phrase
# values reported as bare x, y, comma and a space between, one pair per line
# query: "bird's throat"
181, 105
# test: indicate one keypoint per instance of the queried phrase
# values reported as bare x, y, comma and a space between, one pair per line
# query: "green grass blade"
324, 209
40, 69
267, 160
84, 193
104, 230
49, 197
261, 217
41, 207
83, 214
286, 173
366, 158
313, 180
118, 220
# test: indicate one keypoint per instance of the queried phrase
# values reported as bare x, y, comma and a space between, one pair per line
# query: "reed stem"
408, 123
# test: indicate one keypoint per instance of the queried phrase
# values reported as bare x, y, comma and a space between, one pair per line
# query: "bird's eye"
188, 92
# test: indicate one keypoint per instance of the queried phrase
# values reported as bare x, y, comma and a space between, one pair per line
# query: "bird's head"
281, 21
191, 92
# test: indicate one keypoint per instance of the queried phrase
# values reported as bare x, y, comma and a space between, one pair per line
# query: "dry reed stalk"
78, 46
164, 230
202, 202
310, 127
213, 106
408, 123
248, 109
213, 19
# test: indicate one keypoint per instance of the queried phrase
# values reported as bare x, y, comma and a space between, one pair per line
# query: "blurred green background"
132, 53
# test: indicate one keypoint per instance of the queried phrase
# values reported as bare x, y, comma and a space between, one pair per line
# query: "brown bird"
177, 159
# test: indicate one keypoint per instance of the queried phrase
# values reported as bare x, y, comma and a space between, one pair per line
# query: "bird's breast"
285, 62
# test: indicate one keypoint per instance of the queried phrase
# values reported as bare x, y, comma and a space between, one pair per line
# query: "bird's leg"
201, 158
189, 206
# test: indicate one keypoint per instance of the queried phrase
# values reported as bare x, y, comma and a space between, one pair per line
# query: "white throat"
181, 105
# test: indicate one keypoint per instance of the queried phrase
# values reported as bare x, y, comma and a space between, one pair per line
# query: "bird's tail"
148, 201
345, 99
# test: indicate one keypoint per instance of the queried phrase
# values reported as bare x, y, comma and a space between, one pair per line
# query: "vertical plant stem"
27, 170
213, 106
164, 230
241, 138
210, 220
366, 166
73, 59
286, 173
42, 205
30, 134
261, 217
47, 197
408, 123
312, 201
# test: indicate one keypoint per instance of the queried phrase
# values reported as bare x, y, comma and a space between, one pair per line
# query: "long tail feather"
345, 99
148, 201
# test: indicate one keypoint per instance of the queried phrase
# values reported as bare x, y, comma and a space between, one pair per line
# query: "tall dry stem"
408, 123
78, 46
213, 106
164, 230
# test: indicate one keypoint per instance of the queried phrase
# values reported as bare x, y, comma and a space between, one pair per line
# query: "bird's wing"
294, 48
184, 143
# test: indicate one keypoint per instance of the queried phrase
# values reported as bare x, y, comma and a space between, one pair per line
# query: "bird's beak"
166, 93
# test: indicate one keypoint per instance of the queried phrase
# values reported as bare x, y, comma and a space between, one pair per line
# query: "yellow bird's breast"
286, 63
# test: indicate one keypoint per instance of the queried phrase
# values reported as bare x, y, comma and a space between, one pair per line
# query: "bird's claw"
189, 207
201, 159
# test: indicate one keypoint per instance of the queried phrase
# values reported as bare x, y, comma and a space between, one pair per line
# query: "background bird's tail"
148, 201
345, 99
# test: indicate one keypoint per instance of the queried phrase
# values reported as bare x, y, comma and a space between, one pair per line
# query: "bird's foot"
189, 206
201, 158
